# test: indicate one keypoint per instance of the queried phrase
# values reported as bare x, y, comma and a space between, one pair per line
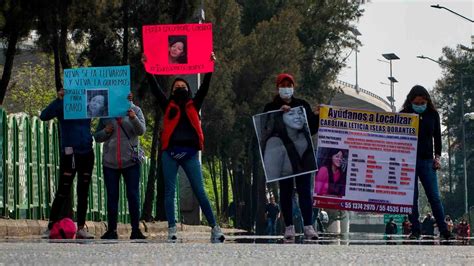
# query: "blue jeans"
192, 168
271, 226
131, 176
427, 175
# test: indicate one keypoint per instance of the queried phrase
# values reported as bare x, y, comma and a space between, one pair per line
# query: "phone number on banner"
362, 206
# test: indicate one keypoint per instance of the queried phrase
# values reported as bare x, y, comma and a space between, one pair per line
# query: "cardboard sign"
96, 92
178, 49
367, 160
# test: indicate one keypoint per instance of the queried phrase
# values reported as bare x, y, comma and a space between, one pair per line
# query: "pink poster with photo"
178, 48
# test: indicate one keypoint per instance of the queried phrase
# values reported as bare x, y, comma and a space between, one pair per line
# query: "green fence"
30, 171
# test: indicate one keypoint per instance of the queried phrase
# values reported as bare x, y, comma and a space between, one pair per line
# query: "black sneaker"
110, 235
137, 235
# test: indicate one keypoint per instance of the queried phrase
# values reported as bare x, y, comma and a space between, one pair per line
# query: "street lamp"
390, 57
462, 126
442, 7
356, 33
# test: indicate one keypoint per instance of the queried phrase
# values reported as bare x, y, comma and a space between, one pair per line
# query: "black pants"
82, 164
303, 187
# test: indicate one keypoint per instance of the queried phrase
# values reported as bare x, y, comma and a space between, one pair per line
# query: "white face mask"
286, 93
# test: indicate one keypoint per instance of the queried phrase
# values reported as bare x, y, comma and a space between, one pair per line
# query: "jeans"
192, 168
82, 164
271, 226
427, 175
303, 187
131, 176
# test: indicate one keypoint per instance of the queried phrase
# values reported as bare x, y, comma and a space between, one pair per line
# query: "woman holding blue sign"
121, 157
182, 138
77, 156
418, 101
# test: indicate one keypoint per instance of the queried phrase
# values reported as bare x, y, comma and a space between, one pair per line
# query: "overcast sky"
407, 28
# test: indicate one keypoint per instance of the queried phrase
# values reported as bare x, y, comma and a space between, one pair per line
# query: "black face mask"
181, 95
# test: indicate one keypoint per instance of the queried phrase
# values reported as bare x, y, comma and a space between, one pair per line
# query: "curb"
33, 229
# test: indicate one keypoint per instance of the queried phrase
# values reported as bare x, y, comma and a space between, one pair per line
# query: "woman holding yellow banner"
419, 101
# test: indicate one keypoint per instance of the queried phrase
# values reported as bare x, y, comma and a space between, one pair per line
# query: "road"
153, 252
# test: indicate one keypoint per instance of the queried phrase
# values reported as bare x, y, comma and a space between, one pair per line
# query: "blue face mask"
418, 108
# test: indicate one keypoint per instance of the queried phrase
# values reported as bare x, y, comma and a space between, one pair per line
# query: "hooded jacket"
117, 149
75, 133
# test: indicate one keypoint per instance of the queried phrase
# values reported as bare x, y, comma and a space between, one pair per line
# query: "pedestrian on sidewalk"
418, 101
122, 156
182, 139
76, 156
390, 230
463, 231
272, 214
406, 226
284, 100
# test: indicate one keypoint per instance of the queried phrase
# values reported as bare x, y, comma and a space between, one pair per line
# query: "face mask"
418, 108
180, 94
286, 93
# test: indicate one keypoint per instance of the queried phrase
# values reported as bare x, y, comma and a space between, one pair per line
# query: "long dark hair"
334, 188
275, 127
416, 91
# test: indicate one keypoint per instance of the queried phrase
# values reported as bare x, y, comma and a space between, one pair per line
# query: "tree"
453, 90
30, 89
17, 20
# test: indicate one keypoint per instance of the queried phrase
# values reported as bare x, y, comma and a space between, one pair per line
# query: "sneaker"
137, 235
172, 233
83, 234
309, 233
290, 232
216, 235
414, 236
45, 234
112, 234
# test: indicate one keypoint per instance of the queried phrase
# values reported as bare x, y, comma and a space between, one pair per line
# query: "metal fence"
30, 172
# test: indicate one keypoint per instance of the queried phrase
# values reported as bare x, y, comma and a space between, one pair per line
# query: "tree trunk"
150, 186
225, 190
125, 21
7, 69
212, 169
160, 191
55, 46
64, 22
260, 195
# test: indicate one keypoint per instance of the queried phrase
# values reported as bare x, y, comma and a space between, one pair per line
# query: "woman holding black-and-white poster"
297, 148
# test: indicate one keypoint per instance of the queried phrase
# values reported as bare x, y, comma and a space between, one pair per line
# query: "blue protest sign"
96, 92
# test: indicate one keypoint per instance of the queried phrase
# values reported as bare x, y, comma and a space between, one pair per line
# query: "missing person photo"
331, 176
177, 49
98, 103
285, 143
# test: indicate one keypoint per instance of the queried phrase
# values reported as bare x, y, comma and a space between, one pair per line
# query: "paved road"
130, 253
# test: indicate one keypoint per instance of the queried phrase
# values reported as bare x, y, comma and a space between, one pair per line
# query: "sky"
407, 28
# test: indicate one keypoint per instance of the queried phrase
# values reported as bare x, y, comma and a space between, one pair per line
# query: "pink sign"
178, 48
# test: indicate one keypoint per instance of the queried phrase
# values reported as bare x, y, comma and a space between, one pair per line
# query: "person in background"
463, 231
120, 158
390, 230
406, 226
76, 156
428, 225
449, 223
272, 214
418, 101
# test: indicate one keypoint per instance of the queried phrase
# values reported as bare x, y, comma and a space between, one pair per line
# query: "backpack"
63, 229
